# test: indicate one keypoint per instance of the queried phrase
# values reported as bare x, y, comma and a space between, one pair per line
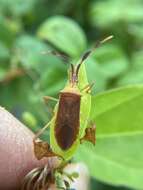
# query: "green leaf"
3, 73
117, 157
137, 31
29, 51
112, 60
63, 33
47, 72
137, 59
17, 7
4, 52
109, 13
7, 31
135, 74
29, 119
54, 79
96, 75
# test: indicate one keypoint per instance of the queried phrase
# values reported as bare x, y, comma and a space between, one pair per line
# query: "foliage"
29, 28
118, 151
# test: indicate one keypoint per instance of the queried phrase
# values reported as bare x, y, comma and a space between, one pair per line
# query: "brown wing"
67, 121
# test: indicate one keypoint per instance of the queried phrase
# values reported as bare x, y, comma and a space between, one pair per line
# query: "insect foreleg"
87, 88
89, 135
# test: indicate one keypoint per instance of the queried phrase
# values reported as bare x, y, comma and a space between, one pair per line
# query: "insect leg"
47, 98
41, 131
88, 88
89, 135
42, 148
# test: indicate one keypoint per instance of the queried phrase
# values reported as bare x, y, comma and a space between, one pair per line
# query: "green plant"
27, 28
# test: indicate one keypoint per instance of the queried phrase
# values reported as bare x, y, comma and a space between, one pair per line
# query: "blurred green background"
30, 27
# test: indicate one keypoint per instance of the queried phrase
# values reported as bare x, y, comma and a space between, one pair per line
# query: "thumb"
16, 152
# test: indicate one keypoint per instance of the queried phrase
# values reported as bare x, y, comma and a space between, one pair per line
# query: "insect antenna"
71, 73
64, 57
72, 69
89, 52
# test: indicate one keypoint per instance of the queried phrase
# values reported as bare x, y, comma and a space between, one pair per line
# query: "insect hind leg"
42, 148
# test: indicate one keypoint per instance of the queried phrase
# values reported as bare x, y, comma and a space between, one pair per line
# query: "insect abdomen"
67, 121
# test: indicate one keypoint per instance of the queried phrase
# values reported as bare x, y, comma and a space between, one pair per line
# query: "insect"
69, 124
69, 127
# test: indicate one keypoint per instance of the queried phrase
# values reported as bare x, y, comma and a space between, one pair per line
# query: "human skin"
16, 152
17, 157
